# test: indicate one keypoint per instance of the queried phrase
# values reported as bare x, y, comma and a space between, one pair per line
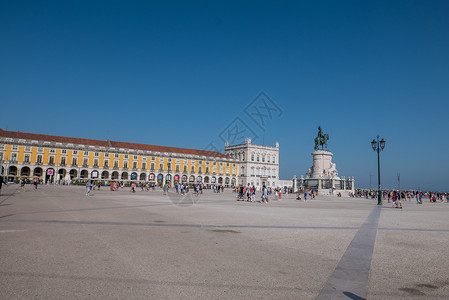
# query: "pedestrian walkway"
146, 245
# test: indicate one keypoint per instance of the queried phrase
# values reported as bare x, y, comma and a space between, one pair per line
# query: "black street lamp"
378, 146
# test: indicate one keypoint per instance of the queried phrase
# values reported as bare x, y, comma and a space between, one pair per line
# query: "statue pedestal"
323, 176
322, 164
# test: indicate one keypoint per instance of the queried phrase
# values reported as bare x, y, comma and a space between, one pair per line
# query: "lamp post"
378, 146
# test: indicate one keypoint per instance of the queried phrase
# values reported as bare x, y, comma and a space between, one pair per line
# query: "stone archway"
61, 174
25, 171
12, 171
84, 174
105, 175
38, 172
73, 173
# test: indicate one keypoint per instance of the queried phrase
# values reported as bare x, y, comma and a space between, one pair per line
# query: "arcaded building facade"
55, 158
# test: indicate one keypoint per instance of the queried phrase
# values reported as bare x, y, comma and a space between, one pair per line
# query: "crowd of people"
248, 193
396, 197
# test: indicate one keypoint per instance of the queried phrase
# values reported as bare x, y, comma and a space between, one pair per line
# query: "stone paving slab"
57, 243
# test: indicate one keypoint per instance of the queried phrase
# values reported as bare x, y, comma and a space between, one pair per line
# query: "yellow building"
55, 159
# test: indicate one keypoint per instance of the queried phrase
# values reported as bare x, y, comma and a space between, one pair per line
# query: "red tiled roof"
61, 139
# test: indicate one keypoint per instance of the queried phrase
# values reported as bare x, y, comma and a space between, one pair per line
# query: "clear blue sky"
178, 73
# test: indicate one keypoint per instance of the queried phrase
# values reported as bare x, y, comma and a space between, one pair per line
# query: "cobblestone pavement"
57, 243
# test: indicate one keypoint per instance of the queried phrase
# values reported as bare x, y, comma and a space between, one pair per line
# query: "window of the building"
28, 148
273, 160
144, 166
126, 156
64, 151
268, 158
185, 168
152, 166
85, 161
96, 154
41, 149
115, 163
135, 165
86, 153
252, 171
106, 163
116, 155
52, 150
153, 158
2, 147
200, 169
192, 169
125, 165
15, 147
257, 172
257, 157
13, 157
177, 168
39, 159
96, 162
144, 158
135, 156
75, 151
263, 158
74, 161
161, 167
252, 157
26, 158
51, 160
63, 161
207, 170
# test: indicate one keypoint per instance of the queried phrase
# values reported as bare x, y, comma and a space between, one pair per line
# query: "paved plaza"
57, 243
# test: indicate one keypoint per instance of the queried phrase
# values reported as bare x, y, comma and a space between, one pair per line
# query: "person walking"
264, 194
88, 187
1, 182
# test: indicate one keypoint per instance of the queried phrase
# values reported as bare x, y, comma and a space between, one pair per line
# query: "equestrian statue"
321, 139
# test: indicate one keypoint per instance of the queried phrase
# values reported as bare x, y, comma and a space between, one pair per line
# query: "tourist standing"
22, 184
253, 194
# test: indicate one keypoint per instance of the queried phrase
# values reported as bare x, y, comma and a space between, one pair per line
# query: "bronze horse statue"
321, 139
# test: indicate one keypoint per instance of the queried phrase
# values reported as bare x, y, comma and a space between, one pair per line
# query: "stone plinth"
322, 163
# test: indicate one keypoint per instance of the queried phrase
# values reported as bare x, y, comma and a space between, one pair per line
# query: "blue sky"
179, 73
